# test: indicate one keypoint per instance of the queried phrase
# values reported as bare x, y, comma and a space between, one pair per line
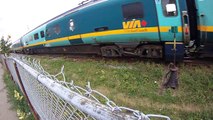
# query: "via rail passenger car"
114, 28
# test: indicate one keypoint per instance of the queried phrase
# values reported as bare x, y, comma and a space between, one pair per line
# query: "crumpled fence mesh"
54, 99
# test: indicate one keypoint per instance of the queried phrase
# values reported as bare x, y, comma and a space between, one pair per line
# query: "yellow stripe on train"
105, 33
206, 28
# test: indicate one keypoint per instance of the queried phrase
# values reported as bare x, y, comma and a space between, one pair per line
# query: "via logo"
134, 24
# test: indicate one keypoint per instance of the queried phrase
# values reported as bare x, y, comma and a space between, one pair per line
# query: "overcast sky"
17, 17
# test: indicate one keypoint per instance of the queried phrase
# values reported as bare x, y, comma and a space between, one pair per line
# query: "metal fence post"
5, 64
36, 116
4, 59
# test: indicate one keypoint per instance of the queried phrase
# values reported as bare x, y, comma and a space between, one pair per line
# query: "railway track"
186, 61
199, 61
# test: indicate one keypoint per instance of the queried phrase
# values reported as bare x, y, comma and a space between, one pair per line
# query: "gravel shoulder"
5, 108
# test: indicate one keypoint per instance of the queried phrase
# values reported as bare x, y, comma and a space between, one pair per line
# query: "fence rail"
53, 99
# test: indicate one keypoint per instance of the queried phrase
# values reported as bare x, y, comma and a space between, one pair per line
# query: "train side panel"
33, 40
167, 19
17, 46
205, 20
117, 25
171, 28
141, 27
106, 23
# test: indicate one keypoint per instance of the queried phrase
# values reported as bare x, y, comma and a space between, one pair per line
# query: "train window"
48, 32
169, 8
30, 38
36, 37
42, 34
72, 25
27, 39
101, 29
132, 11
57, 29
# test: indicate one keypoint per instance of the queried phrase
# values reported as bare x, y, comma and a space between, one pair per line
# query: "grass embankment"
136, 85
16, 98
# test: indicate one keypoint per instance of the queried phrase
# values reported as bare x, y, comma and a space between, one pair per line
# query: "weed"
136, 85
16, 98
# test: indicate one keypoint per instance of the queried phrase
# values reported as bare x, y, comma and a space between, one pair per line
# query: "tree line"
5, 45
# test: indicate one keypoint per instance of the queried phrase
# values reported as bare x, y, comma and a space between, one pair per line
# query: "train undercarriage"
106, 50
143, 50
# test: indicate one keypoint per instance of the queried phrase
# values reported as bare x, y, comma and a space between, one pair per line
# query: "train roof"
82, 5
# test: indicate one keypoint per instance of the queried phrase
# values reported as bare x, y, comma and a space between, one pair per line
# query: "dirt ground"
5, 108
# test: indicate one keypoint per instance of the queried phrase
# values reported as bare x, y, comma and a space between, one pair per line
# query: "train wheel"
150, 51
110, 51
28, 51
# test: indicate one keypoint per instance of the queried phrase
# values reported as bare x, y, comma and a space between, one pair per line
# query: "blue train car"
34, 39
113, 28
205, 20
113, 25
17, 46
205, 27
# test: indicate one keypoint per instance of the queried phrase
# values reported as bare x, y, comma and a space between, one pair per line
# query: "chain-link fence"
53, 99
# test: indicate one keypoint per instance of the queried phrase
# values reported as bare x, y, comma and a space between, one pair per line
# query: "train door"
169, 16
190, 18
205, 20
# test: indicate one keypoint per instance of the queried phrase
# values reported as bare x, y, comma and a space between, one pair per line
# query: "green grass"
136, 85
16, 104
